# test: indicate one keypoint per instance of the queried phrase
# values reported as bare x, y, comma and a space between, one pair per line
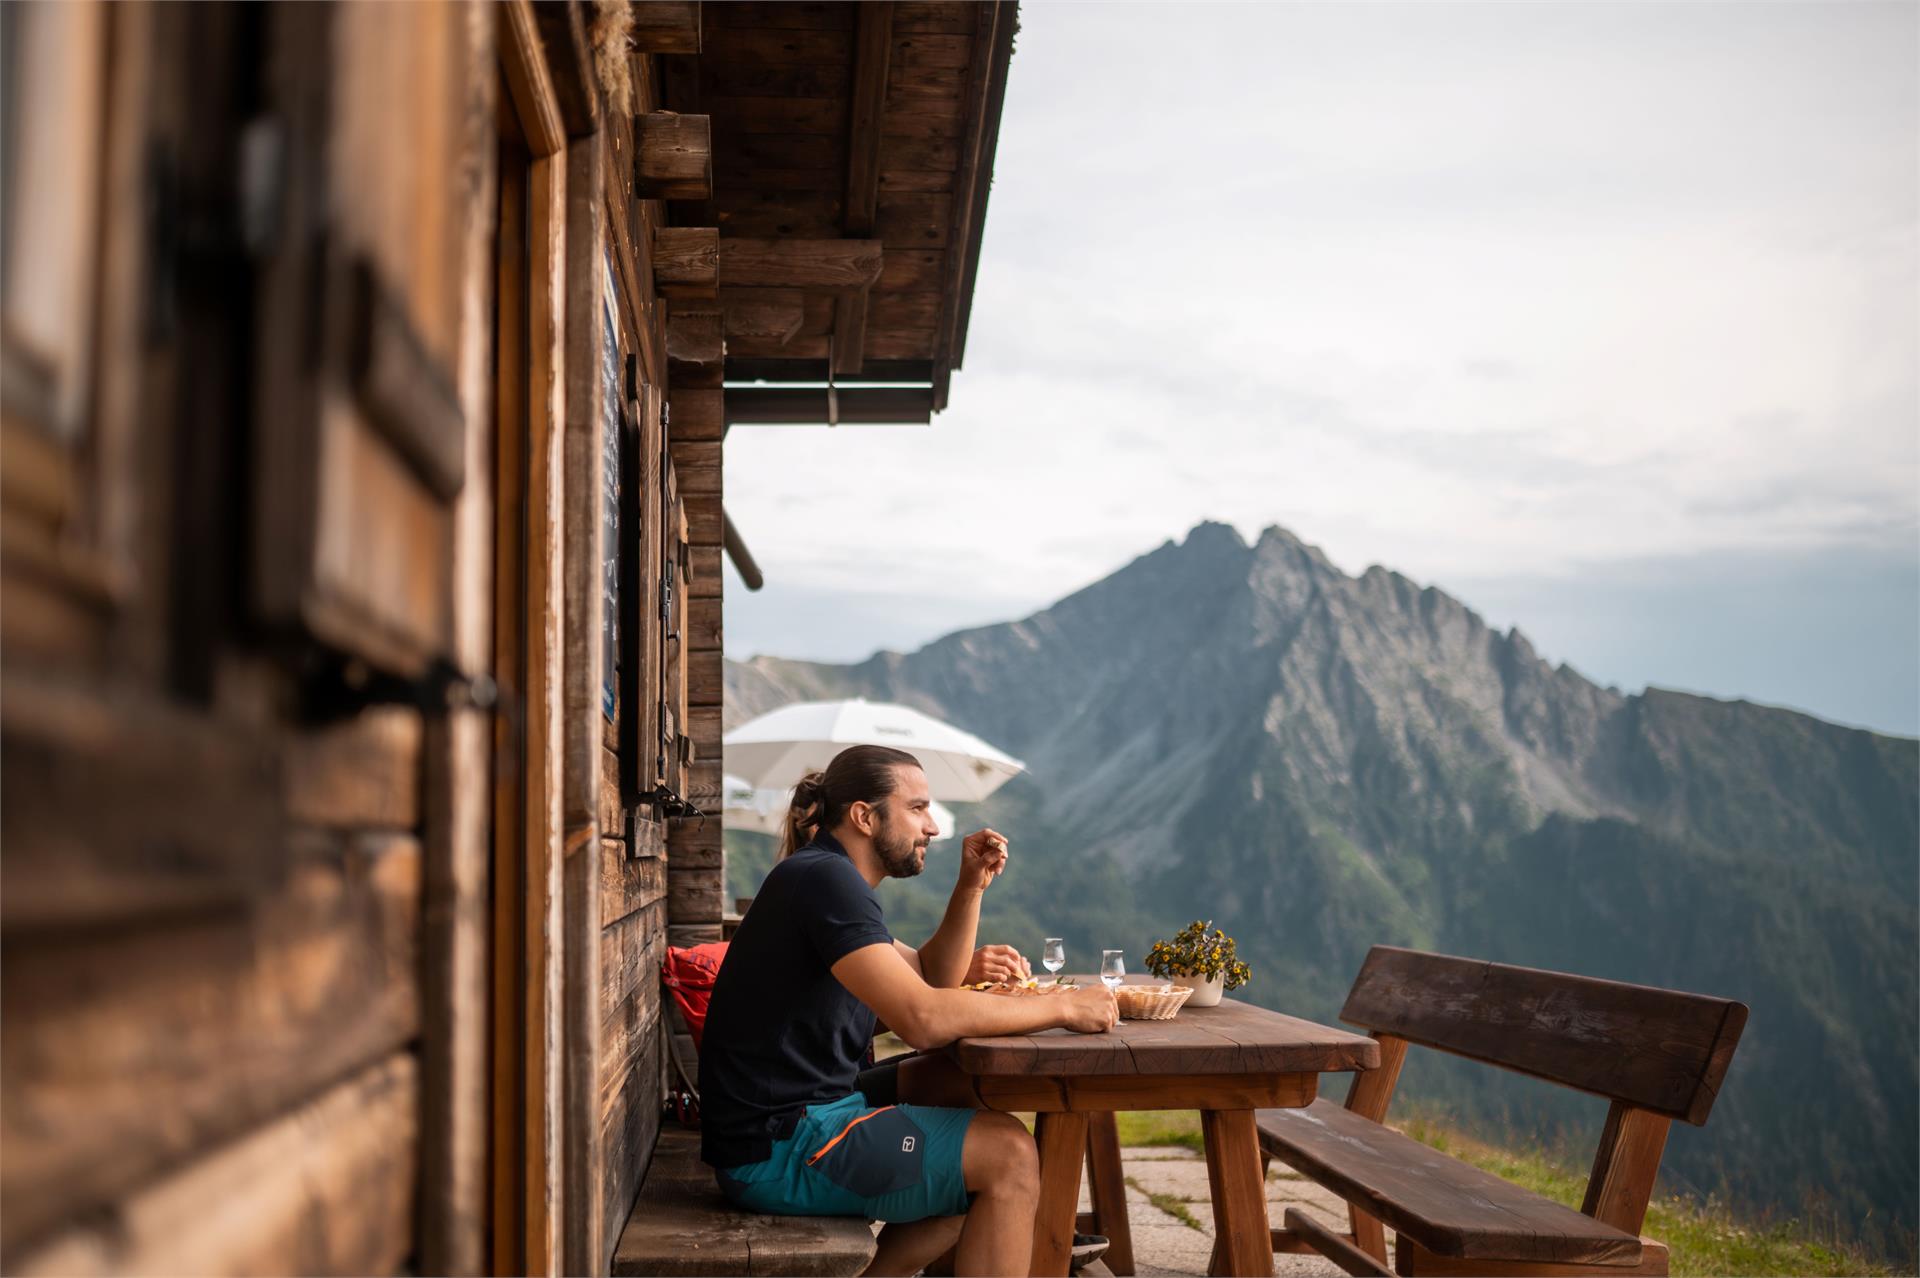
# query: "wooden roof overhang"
852, 151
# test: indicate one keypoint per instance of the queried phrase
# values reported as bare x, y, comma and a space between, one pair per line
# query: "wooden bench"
1657, 1055
683, 1224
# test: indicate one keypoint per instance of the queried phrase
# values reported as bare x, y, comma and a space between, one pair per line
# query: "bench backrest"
1654, 1049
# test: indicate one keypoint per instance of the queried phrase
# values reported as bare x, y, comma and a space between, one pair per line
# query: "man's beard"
901, 856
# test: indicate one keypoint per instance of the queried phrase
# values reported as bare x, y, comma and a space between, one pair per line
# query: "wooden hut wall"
244, 843
281, 482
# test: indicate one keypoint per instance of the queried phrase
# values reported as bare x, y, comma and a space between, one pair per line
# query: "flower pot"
1206, 992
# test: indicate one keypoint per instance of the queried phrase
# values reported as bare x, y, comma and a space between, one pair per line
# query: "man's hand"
996, 963
1090, 1010
982, 857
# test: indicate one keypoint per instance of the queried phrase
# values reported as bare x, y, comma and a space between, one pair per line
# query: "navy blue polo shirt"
781, 1032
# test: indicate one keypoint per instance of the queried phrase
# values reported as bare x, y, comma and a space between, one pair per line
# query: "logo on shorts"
906, 1146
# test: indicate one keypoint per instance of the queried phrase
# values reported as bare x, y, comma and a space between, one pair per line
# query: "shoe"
1087, 1248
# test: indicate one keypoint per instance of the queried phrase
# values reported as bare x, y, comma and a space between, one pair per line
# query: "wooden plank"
673, 156
774, 46
1449, 1206
697, 467
764, 314
628, 883
1232, 1038
941, 17
115, 1070
1113, 1092
1238, 1190
706, 623
686, 935
706, 681
696, 337
1335, 1247
694, 895
705, 583
873, 41
918, 221
696, 415
107, 807
569, 52
848, 349
815, 15
632, 1126
1410, 1258
902, 343
915, 181
1062, 1141
704, 785
666, 26
686, 261
363, 772
579, 953
630, 956
912, 270
779, 115
799, 263
694, 843
1108, 1191
329, 1188
1657, 1049
741, 154
904, 310
613, 817
733, 78
986, 89
926, 49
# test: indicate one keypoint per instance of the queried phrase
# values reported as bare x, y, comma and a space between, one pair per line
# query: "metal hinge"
339, 688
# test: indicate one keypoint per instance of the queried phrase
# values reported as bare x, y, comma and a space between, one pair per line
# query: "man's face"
905, 826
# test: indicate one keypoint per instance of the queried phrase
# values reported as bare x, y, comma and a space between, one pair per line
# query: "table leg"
1242, 1244
1063, 1143
1108, 1185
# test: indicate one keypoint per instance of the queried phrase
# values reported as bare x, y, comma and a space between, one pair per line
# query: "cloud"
1470, 290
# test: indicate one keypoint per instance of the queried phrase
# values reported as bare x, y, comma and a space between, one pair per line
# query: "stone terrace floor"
1163, 1244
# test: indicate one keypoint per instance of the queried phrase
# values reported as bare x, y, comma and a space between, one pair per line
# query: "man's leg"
907, 1247
1002, 1168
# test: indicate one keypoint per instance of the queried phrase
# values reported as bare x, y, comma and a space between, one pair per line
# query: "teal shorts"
846, 1158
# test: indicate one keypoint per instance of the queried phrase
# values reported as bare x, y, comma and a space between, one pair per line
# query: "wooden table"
1224, 1061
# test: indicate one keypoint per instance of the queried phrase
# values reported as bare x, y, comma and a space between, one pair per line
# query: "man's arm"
927, 1018
944, 958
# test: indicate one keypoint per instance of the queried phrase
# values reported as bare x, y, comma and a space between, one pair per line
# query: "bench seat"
682, 1224
1448, 1207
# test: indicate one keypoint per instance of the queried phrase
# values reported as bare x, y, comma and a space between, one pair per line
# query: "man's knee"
1007, 1161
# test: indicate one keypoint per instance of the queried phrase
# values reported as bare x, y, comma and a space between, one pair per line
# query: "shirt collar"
829, 843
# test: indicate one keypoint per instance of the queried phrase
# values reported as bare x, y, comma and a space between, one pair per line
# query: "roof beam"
773, 315
872, 50
816, 264
873, 46
844, 405
686, 261
673, 156
667, 26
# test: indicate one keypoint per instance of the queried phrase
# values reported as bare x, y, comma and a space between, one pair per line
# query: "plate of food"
1027, 988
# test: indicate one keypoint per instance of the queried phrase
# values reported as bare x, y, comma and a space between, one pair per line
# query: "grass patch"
1178, 1127
1173, 1206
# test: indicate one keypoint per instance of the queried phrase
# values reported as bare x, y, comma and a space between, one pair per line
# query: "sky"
1604, 318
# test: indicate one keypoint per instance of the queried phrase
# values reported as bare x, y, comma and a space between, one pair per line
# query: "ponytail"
802, 823
821, 800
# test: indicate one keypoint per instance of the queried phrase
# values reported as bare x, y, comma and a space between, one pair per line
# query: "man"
784, 1122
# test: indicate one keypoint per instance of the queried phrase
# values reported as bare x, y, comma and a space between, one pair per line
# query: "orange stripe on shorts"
821, 1153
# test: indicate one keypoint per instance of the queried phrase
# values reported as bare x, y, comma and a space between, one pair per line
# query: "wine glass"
1113, 968
1053, 957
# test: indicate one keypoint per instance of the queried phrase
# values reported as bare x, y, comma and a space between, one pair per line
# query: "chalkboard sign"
612, 394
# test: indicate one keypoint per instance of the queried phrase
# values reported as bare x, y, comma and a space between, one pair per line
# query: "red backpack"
688, 975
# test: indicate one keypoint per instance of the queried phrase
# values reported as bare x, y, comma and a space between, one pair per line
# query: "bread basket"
1151, 1002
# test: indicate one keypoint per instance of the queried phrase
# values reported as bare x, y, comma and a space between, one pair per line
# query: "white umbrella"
764, 811
775, 750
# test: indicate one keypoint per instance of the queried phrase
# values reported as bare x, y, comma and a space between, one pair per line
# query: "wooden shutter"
359, 442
